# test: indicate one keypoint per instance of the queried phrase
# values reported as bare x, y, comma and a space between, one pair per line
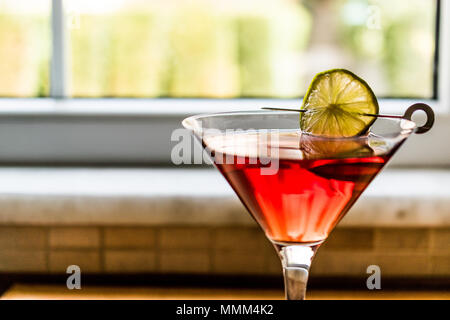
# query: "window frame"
96, 131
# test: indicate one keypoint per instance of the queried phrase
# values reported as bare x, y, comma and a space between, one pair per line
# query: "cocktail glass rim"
407, 126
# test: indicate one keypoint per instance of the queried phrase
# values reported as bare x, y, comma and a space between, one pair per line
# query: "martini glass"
296, 186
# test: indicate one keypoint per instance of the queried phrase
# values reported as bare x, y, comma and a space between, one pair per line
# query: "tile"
440, 239
23, 237
272, 261
74, 237
440, 265
87, 260
123, 261
239, 238
342, 263
185, 261
412, 239
350, 238
273, 264
184, 238
129, 237
25, 260
404, 264
238, 262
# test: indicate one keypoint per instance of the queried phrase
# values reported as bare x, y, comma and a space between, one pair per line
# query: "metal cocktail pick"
408, 114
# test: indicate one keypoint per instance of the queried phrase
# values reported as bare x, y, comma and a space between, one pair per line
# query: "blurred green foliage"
400, 43
198, 50
194, 51
24, 55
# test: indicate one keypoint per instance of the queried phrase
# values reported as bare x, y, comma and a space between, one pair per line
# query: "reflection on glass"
25, 48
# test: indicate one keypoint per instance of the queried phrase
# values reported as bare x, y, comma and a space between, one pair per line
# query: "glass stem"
296, 260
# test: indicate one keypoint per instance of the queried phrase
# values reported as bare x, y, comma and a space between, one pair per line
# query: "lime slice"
335, 104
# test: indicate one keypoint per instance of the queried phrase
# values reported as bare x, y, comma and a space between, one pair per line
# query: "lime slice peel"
336, 103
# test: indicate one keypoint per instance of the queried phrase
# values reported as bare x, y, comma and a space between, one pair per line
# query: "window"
252, 48
87, 62
220, 49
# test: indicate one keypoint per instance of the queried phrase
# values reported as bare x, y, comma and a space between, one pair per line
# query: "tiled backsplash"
405, 252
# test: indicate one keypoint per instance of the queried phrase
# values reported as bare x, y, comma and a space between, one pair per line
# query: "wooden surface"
21, 291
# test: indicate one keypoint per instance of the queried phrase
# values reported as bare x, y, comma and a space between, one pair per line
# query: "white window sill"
81, 196
168, 106
138, 131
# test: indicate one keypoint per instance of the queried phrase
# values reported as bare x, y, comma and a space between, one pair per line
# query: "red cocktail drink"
310, 191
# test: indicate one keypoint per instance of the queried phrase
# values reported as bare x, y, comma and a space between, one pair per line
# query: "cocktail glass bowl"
296, 186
